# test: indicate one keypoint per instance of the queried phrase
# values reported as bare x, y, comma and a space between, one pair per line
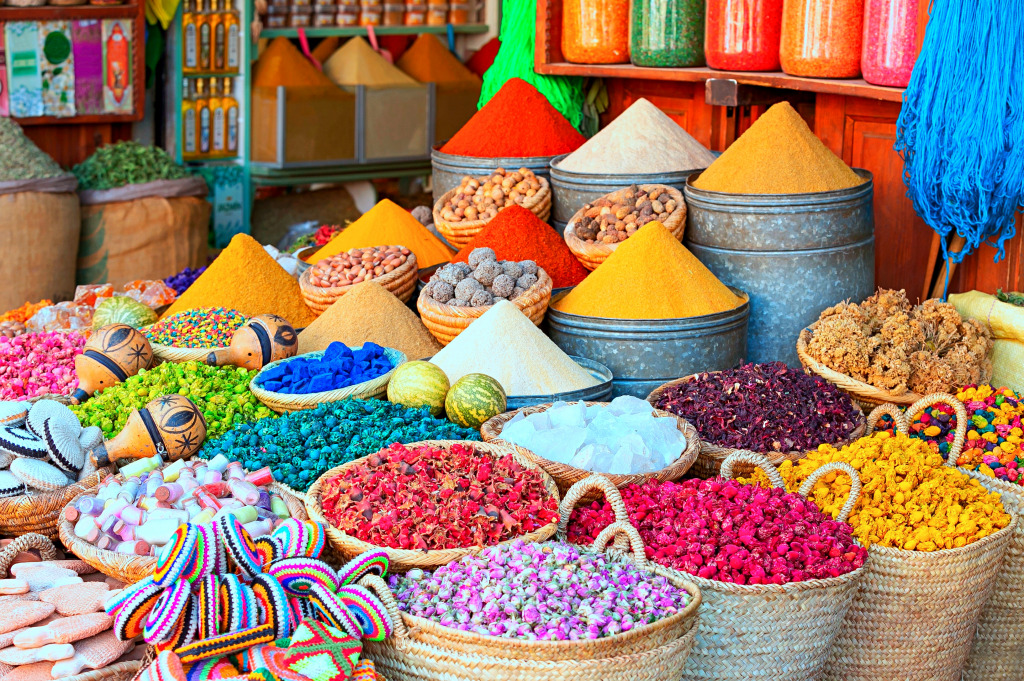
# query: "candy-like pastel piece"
95, 652
51, 653
22, 614
131, 614
167, 611
368, 611
176, 555
298, 575
370, 562
77, 599
64, 630
322, 653
334, 612
240, 547
39, 475
9, 587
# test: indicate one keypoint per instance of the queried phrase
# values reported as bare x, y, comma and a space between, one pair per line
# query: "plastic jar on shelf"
890, 41
743, 35
371, 16
415, 15
323, 16
462, 14
394, 15
277, 16
667, 33
347, 16
437, 15
595, 31
822, 38
300, 16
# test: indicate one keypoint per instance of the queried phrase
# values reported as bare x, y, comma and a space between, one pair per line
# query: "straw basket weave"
566, 476
282, 403
458, 234
402, 560
916, 612
42, 512
401, 281
592, 253
711, 456
131, 568
170, 353
445, 322
422, 650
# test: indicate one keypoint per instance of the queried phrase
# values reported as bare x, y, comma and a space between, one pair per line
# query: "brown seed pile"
358, 265
482, 281
611, 220
482, 198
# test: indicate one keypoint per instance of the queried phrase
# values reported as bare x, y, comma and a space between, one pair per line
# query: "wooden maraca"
114, 353
261, 340
171, 426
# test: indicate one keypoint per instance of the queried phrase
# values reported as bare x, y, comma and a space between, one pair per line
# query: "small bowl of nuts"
462, 212
393, 267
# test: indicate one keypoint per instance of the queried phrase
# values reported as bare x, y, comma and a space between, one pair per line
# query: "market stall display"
113, 354
667, 33
392, 267
462, 213
191, 335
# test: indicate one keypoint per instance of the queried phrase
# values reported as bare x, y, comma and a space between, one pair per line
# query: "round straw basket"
281, 403
42, 512
711, 456
401, 281
402, 560
422, 649
915, 615
170, 353
458, 234
593, 253
131, 568
566, 476
445, 322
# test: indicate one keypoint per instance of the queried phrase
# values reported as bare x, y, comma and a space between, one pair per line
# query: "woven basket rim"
600, 249
170, 350
33, 516
314, 505
892, 552
529, 298
325, 294
473, 226
764, 589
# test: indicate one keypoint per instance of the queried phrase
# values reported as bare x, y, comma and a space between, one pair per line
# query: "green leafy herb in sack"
1012, 297
124, 163
20, 159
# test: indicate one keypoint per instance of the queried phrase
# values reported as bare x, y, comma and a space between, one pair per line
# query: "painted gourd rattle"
260, 341
114, 353
171, 426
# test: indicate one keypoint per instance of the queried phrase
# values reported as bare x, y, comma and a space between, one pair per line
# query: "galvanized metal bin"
644, 353
794, 254
570, 191
449, 169
595, 393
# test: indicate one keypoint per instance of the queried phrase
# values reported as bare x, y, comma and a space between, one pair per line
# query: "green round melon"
418, 384
473, 399
122, 310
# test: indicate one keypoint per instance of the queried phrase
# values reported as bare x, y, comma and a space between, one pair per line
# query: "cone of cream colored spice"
778, 154
650, 275
356, 63
282, 64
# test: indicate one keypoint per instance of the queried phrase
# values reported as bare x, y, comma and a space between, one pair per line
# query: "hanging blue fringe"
961, 129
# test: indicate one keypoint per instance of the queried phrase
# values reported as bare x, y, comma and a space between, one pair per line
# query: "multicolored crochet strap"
371, 562
322, 653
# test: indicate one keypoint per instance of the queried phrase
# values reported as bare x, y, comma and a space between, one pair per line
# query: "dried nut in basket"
610, 221
482, 198
358, 265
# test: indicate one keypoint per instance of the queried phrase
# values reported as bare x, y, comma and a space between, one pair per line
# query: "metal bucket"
595, 393
570, 190
794, 254
448, 169
644, 353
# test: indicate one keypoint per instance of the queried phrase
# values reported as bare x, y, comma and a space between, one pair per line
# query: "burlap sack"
1006, 322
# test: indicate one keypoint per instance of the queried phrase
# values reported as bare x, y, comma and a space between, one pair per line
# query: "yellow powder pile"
282, 64
356, 63
245, 278
778, 154
650, 275
369, 313
388, 224
429, 61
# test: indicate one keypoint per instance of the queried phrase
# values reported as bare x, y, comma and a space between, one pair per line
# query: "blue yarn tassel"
961, 129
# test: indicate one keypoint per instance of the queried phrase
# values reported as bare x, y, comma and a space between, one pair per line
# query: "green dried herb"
124, 163
1012, 297
20, 159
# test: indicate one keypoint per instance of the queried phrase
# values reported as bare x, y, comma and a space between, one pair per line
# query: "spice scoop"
114, 353
263, 339
170, 426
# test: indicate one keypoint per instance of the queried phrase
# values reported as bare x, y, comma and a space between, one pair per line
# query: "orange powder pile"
326, 48
388, 224
282, 64
429, 61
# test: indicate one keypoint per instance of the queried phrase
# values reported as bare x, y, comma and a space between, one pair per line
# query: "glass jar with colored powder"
890, 41
743, 35
822, 38
667, 33
595, 31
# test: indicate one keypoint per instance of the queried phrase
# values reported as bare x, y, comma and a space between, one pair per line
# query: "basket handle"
25, 542
617, 530
383, 591
592, 483
836, 467
960, 435
757, 460
902, 426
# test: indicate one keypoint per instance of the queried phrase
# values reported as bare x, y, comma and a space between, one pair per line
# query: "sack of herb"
39, 222
1003, 315
143, 215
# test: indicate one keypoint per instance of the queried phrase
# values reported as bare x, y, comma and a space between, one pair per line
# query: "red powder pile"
517, 234
484, 57
517, 122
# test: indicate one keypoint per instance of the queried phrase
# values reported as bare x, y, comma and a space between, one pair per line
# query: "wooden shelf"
56, 12
351, 31
853, 88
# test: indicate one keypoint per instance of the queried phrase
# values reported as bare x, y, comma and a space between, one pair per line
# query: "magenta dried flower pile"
764, 408
724, 530
550, 591
35, 364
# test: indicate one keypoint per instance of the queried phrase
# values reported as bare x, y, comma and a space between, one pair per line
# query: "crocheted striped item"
187, 628
298, 575
269, 550
176, 555
322, 653
131, 616
370, 562
239, 545
368, 611
268, 662
271, 598
316, 537
291, 533
118, 598
365, 671
166, 667
225, 644
167, 612
210, 623
334, 612
204, 557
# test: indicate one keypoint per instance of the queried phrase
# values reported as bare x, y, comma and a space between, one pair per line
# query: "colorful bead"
201, 327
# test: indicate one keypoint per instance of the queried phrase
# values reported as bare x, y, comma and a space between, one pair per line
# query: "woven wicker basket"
402, 560
422, 650
711, 455
400, 281
131, 568
591, 254
445, 322
170, 353
916, 613
566, 476
458, 234
41, 513
282, 403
